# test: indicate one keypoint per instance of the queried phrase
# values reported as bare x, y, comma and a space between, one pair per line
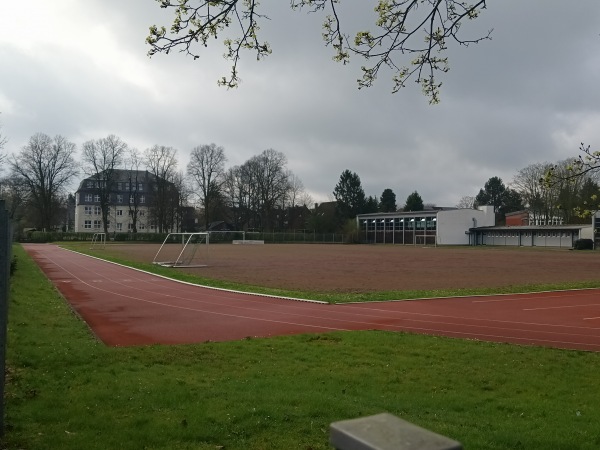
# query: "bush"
584, 244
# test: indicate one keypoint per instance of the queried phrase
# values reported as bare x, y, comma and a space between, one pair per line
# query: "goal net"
183, 250
98, 240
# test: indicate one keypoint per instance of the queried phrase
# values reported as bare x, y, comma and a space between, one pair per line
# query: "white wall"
453, 225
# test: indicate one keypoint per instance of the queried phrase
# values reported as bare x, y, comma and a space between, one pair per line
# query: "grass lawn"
66, 390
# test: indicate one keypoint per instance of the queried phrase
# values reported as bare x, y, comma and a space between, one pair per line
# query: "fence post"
5, 260
386, 432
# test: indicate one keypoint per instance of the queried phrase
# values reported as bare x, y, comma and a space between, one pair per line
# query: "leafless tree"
3, 141
100, 160
207, 171
161, 162
271, 177
254, 190
410, 37
46, 165
135, 178
467, 202
15, 191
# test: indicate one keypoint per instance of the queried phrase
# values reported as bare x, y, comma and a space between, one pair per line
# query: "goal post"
179, 250
98, 239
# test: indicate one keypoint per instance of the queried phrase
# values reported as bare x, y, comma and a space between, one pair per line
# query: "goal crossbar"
185, 242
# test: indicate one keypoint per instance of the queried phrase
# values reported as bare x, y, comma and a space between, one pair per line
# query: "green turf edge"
335, 297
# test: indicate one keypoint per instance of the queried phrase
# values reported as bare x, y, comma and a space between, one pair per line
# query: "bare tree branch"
419, 29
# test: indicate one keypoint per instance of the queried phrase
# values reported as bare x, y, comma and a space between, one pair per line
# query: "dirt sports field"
367, 268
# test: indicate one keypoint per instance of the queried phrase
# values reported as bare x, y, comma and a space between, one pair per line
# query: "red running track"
124, 306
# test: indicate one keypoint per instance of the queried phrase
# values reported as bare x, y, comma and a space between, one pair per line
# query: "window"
131, 199
87, 210
142, 199
126, 186
119, 212
87, 224
142, 226
119, 226
141, 213
97, 224
97, 210
130, 226
119, 198
88, 197
97, 198
140, 186
152, 227
130, 213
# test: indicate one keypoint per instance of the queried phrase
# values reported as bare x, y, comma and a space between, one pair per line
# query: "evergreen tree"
414, 202
371, 205
387, 201
349, 195
492, 194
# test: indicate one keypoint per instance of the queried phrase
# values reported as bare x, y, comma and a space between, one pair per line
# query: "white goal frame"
98, 239
184, 242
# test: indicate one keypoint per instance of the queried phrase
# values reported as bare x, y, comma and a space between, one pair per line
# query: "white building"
444, 226
462, 226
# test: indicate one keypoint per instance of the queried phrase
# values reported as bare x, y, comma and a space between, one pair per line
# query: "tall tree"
410, 37
511, 202
387, 201
100, 160
349, 195
492, 193
371, 205
414, 202
268, 171
207, 171
533, 192
46, 165
135, 179
161, 162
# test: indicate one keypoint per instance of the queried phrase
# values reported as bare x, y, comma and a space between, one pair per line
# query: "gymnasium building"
462, 226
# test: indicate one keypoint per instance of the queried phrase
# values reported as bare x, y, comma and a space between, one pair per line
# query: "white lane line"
561, 307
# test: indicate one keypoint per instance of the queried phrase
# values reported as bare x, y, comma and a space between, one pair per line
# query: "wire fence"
270, 237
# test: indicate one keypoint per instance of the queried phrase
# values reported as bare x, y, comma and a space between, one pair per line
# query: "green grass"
65, 390
330, 297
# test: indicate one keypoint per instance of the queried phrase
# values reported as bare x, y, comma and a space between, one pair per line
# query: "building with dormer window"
138, 202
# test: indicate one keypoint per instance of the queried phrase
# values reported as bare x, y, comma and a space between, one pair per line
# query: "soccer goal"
183, 250
98, 239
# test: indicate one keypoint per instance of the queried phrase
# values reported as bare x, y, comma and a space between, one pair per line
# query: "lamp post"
402, 222
374, 231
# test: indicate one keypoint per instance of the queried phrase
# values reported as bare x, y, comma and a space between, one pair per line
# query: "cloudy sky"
80, 69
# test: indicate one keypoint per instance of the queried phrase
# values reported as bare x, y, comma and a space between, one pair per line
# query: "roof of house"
123, 175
